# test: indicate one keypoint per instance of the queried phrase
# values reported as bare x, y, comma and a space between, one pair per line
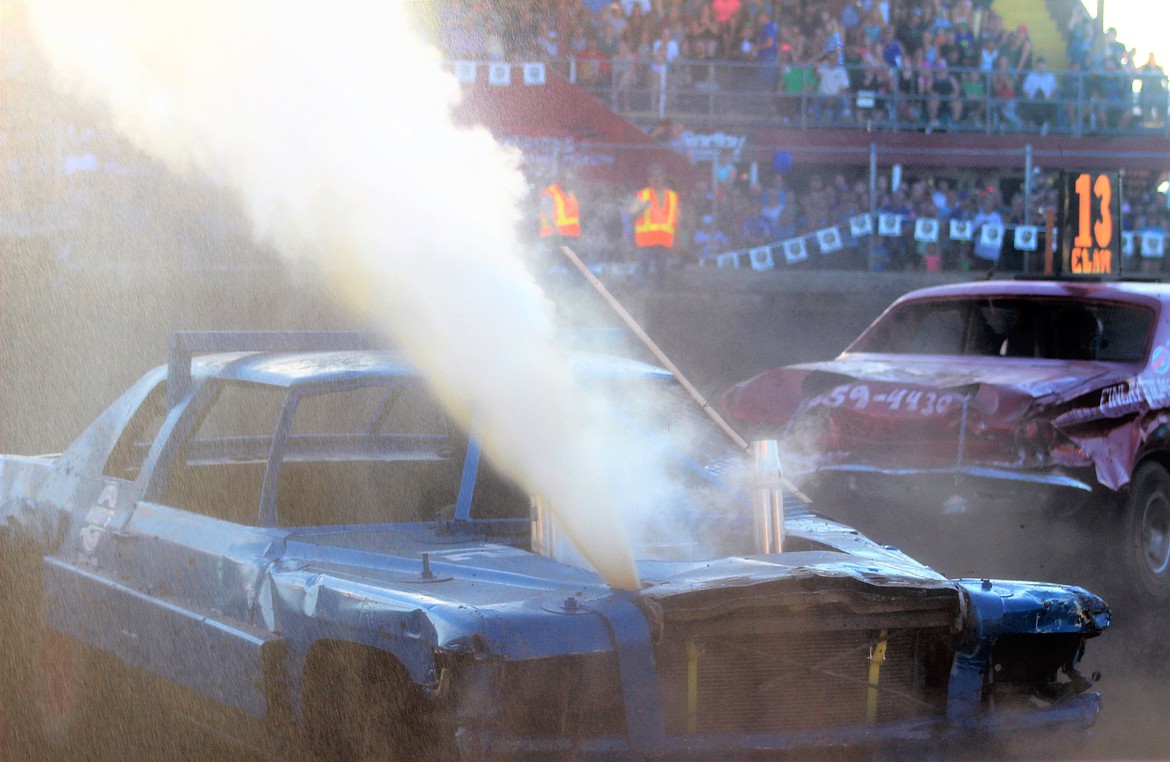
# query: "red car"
994, 400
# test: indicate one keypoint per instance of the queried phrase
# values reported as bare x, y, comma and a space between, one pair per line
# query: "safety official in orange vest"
560, 221
655, 212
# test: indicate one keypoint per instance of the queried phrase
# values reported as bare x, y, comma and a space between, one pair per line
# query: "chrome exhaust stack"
767, 497
544, 532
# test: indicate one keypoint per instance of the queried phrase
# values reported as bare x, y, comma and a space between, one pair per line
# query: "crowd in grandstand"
935, 63
931, 63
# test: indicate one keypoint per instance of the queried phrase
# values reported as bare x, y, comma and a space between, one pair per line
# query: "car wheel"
369, 709
1145, 539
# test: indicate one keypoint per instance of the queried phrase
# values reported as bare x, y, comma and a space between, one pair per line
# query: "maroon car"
995, 400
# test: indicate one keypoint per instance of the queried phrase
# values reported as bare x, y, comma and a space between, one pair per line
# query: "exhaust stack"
767, 498
544, 532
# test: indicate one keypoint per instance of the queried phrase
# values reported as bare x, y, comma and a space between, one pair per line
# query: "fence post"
662, 91
1028, 184
872, 205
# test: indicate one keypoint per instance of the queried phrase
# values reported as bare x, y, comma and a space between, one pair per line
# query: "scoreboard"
1089, 224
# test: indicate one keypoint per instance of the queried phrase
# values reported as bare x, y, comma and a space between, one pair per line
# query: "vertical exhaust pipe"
544, 532
767, 497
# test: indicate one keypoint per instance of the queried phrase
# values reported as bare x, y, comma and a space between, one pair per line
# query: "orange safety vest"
567, 217
655, 226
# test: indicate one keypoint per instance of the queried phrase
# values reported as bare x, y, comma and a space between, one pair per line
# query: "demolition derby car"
995, 399
303, 548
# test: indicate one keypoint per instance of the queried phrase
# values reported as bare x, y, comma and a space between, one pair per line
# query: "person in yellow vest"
655, 212
560, 221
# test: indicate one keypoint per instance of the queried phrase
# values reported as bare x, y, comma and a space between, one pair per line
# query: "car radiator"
801, 680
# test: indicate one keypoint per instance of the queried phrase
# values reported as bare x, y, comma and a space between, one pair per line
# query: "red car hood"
774, 395
899, 412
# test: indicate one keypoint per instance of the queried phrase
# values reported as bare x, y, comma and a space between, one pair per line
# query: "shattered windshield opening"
1052, 329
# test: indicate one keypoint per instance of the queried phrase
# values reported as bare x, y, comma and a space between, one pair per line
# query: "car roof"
289, 369
1138, 292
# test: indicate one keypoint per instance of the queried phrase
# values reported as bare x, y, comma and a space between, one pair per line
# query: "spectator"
774, 200
724, 10
1152, 97
893, 52
912, 82
944, 89
988, 55
615, 20
834, 45
709, 240
766, 49
1021, 53
873, 87
799, 85
968, 51
592, 65
1110, 91
625, 75
1039, 89
632, 7
898, 247
931, 258
832, 103
724, 173
1107, 48
757, 230
974, 85
851, 16
1073, 90
705, 34
1003, 89
875, 27
987, 215
1082, 39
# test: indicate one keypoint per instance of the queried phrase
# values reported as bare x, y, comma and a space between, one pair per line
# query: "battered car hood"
1003, 385
485, 573
1037, 378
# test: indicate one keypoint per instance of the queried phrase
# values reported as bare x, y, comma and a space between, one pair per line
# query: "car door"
180, 577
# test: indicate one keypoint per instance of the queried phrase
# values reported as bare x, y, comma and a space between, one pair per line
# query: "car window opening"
1050, 329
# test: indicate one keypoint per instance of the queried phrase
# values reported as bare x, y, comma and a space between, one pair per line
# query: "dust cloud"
331, 124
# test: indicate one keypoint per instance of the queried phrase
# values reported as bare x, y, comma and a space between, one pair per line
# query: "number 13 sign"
1090, 224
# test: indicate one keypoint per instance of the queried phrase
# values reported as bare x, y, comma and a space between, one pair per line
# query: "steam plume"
331, 123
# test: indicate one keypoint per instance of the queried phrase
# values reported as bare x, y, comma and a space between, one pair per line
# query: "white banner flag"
795, 251
962, 230
861, 224
889, 224
926, 230
761, 257
534, 74
829, 240
1026, 238
730, 259
500, 74
1127, 247
1152, 245
991, 235
464, 71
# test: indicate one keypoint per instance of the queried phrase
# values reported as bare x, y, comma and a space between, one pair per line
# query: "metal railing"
726, 93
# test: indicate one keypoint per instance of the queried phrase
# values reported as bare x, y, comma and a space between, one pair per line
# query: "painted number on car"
898, 399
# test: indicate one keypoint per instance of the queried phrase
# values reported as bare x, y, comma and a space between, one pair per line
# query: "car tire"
366, 709
1145, 535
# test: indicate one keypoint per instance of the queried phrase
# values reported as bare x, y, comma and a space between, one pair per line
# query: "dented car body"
996, 398
305, 541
